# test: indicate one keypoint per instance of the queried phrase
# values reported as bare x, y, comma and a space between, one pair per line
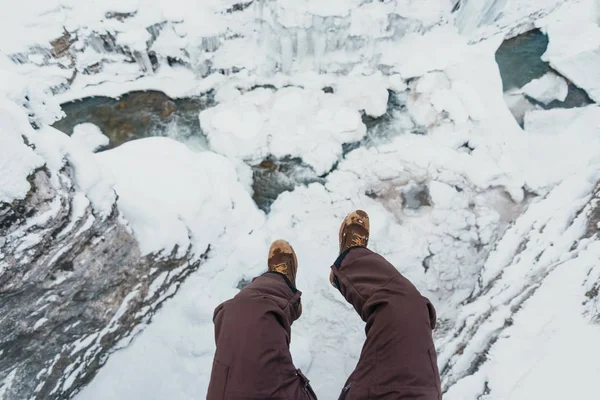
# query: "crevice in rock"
56, 296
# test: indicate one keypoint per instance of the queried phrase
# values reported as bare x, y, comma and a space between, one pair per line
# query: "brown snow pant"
398, 360
253, 333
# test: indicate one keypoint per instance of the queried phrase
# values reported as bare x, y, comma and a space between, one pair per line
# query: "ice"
574, 48
134, 39
431, 56
89, 136
547, 89
473, 14
518, 105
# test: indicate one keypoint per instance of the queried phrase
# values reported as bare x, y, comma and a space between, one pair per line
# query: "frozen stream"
139, 114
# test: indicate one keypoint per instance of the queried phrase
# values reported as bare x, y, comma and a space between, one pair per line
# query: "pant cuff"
287, 281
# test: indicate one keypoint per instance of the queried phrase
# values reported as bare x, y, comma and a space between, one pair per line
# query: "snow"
574, 130
430, 57
7, 383
59, 150
39, 323
501, 210
174, 199
574, 47
17, 161
547, 89
89, 136
294, 122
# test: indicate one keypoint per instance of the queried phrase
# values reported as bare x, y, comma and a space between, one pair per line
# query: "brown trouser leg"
253, 334
398, 360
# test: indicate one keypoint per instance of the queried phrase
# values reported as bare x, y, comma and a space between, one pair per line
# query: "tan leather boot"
354, 232
282, 259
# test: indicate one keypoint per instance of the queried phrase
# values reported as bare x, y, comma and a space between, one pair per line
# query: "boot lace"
358, 240
281, 268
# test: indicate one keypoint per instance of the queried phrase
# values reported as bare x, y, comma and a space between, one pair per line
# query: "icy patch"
89, 136
547, 89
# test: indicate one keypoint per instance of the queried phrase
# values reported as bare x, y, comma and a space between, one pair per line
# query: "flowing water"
520, 61
138, 115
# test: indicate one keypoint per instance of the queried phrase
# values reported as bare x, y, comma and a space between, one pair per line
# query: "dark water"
520, 61
138, 115
273, 177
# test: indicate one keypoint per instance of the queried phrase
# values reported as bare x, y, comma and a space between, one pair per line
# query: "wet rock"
71, 290
239, 7
273, 177
61, 45
119, 16
416, 196
243, 283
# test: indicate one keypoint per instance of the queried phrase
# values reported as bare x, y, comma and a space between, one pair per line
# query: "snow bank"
174, 199
295, 122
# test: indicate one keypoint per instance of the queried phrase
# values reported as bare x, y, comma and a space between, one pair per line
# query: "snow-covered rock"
81, 274
89, 136
17, 161
294, 122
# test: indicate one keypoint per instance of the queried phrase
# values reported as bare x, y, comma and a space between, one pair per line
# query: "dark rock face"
71, 290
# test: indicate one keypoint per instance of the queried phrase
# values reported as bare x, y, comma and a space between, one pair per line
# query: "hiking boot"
282, 259
354, 232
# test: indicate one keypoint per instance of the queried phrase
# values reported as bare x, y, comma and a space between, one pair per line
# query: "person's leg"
253, 334
398, 360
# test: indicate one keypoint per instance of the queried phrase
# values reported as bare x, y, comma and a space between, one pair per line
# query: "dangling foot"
354, 232
282, 259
